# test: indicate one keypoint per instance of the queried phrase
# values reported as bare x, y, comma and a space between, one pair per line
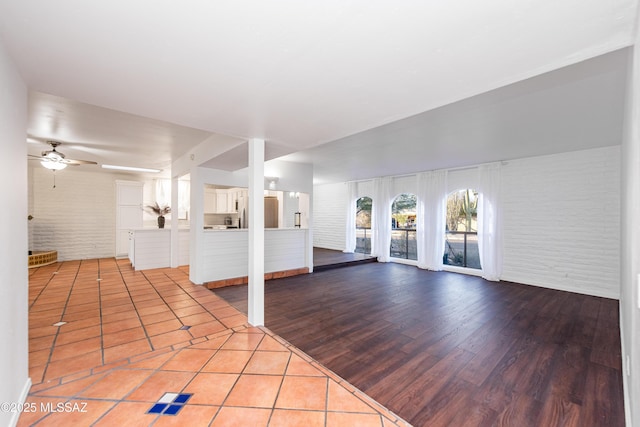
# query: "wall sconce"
273, 180
296, 219
294, 195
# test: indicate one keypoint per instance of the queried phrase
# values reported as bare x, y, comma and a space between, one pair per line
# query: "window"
461, 238
403, 227
363, 225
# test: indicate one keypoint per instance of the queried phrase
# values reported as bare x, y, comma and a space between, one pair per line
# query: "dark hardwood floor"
444, 349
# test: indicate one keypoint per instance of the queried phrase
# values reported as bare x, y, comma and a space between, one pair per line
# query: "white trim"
625, 378
575, 290
403, 261
462, 270
21, 400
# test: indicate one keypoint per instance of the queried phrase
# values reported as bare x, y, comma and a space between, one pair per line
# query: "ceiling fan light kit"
53, 165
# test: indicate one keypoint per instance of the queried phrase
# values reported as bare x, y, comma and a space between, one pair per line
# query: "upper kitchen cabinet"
209, 199
221, 202
220, 199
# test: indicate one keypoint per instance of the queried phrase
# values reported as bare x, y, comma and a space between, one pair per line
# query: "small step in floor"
327, 259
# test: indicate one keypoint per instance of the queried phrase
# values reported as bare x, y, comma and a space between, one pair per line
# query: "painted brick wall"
329, 215
77, 218
562, 221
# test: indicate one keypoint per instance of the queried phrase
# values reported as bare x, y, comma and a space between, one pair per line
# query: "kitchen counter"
206, 228
151, 247
222, 253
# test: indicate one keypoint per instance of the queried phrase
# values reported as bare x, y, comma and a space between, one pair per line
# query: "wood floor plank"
443, 407
473, 415
486, 359
404, 374
523, 411
442, 348
606, 346
418, 396
569, 374
598, 407
557, 412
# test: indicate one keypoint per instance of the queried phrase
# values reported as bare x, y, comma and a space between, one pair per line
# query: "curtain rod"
454, 169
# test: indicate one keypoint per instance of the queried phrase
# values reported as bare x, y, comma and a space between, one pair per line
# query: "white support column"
256, 232
175, 245
196, 225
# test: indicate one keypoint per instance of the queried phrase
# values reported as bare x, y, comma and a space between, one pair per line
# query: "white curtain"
350, 229
381, 219
431, 212
163, 192
184, 197
490, 221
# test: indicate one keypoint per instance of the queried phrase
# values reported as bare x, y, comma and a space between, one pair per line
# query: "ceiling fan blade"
78, 162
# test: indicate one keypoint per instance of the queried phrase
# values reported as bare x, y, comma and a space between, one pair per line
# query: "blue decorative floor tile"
172, 409
170, 404
158, 408
185, 328
182, 398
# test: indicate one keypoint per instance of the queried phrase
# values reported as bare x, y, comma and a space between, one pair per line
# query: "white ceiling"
574, 108
301, 74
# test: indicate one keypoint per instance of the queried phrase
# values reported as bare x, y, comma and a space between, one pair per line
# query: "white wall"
562, 221
226, 252
561, 216
329, 216
77, 218
630, 247
14, 353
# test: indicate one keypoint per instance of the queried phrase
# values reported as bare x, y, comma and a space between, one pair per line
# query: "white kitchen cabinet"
129, 196
210, 200
221, 202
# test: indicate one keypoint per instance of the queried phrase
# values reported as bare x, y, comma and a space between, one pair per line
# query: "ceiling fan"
55, 160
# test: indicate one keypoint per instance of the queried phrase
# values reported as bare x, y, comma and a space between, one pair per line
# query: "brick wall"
77, 218
329, 215
562, 221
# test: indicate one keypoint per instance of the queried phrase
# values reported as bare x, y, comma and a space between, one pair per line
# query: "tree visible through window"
403, 227
461, 239
363, 225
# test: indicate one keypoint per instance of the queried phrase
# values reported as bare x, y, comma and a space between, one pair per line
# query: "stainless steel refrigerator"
270, 212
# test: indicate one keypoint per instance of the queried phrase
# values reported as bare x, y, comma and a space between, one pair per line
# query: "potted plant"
161, 211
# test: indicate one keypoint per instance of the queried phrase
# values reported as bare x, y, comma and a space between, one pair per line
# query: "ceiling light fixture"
273, 180
131, 168
53, 165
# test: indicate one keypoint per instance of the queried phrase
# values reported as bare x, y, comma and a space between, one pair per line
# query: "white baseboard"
23, 398
625, 379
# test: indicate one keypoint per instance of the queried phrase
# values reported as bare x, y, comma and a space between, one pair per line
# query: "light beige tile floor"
131, 337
